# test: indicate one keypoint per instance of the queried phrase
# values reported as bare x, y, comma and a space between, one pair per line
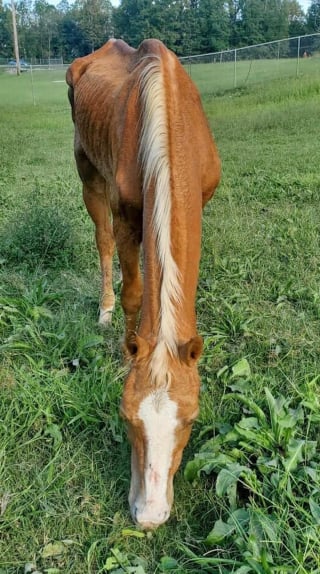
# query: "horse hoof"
105, 317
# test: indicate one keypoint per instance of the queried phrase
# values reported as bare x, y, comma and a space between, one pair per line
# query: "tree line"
69, 30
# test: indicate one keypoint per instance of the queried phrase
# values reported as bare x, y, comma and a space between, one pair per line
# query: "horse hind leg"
97, 203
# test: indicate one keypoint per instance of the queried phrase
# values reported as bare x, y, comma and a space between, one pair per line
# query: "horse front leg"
128, 238
97, 202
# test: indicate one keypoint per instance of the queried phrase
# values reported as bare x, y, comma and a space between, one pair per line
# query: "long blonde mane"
154, 153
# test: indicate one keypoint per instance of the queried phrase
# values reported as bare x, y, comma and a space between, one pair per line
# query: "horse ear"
190, 352
138, 348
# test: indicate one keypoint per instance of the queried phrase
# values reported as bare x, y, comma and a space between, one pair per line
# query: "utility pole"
15, 37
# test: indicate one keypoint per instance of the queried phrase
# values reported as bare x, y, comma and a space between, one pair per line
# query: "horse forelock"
155, 160
159, 366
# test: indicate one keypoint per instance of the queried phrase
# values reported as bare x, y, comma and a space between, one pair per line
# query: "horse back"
105, 97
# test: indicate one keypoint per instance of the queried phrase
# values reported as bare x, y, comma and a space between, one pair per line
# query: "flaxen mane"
154, 154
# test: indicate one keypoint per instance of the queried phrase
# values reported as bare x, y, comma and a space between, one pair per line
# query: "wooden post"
15, 37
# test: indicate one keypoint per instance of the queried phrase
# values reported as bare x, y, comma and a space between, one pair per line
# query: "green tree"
6, 42
262, 21
94, 18
72, 38
135, 20
185, 26
213, 19
313, 17
297, 19
63, 7
44, 30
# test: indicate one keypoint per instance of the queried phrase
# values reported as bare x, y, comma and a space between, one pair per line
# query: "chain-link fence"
220, 71
47, 63
32, 64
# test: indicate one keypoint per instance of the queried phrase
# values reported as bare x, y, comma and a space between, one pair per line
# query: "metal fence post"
235, 70
32, 85
298, 57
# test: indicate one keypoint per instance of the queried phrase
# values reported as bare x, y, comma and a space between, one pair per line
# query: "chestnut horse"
145, 154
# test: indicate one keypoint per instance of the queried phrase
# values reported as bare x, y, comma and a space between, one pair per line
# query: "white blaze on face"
159, 416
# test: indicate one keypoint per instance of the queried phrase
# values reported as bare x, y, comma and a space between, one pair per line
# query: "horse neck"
185, 233
171, 213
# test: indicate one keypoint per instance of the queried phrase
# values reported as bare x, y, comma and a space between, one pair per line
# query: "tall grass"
247, 496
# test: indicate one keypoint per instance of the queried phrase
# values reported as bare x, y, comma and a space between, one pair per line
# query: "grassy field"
217, 78
211, 77
247, 497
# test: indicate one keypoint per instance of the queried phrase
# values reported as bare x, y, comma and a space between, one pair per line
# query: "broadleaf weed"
265, 469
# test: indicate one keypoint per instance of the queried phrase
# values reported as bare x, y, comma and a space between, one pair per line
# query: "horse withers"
145, 155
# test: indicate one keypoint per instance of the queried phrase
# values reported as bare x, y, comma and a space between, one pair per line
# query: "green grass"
64, 457
216, 77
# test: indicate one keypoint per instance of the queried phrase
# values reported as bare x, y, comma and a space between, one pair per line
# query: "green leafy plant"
266, 469
121, 563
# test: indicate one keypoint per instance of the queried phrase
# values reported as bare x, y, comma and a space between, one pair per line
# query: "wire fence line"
51, 64
213, 73
35, 62
251, 64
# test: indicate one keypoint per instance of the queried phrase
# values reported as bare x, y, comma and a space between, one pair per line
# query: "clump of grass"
39, 234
